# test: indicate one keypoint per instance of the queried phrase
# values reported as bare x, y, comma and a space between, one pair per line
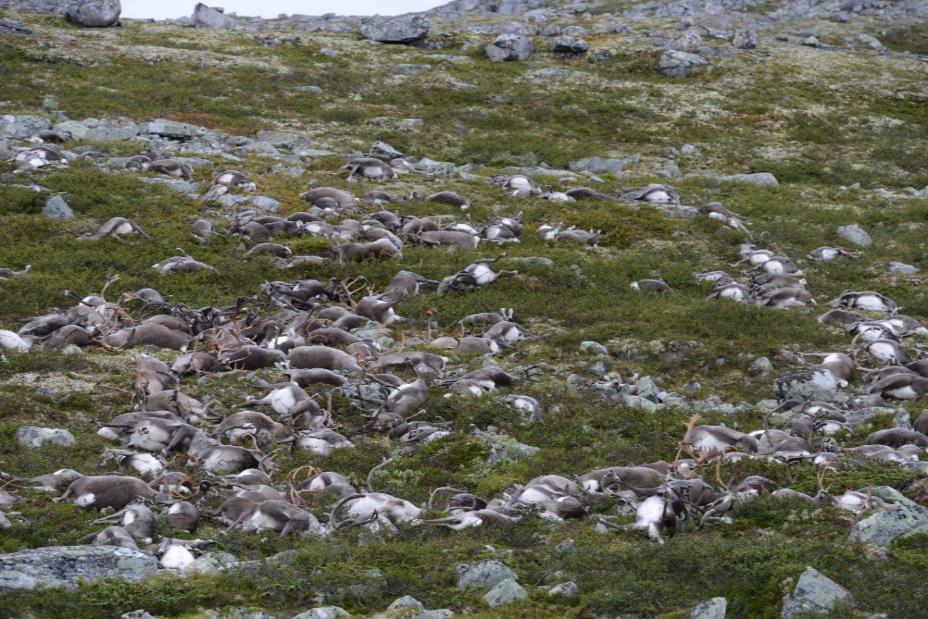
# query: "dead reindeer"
147, 334
145, 464
373, 508
113, 491
215, 458
174, 401
120, 428
183, 515
655, 514
177, 554
113, 536
194, 364
237, 426
327, 482
137, 519
279, 516
311, 357
151, 376
407, 283
381, 249
115, 228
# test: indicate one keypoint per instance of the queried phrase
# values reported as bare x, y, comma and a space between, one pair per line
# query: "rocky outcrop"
509, 47
210, 17
57, 567
404, 29
815, 593
94, 13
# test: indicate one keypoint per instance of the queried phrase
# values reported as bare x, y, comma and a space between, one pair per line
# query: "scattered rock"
901, 268
593, 348
484, 575
56, 208
173, 129
855, 234
811, 41
212, 17
883, 526
411, 69
710, 609
407, 601
566, 590
509, 47
870, 41
33, 437
761, 179
744, 39
506, 592
94, 13
503, 448
598, 165
403, 29
814, 593
56, 567
760, 366
806, 385
211, 563
310, 88
24, 126
569, 45
675, 63
323, 612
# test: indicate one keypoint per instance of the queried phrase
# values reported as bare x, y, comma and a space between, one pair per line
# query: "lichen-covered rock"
403, 29
508, 47
94, 13
883, 526
855, 234
34, 437
172, 129
598, 165
745, 39
710, 609
806, 385
56, 208
323, 612
761, 179
23, 126
569, 45
676, 63
58, 567
506, 592
814, 593
484, 575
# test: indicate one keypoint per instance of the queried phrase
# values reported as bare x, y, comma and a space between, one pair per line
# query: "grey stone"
811, 41
484, 575
675, 63
678, 211
883, 526
760, 366
323, 612
50, 103
236, 612
640, 403
710, 609
24, 126
598, 165
676, 402
506, 592
567, 590
855, 234
209, 17
264, 203
593, 348
533, 262
211, 563
569, 45
669, 169
901, 268
407, 601
137, 614
33, 437
688, 150
310, 88
403, 29
745, 39
761, 179
645, 387
175, 184
94, 13
509, 47
172, 129
814, 593
284, 139
870, 41
503, 448
566, 546
806, 385
64, 566
411, 69
56, 208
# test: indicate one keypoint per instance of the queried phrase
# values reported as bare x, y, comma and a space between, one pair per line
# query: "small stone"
598, 165
710, 609
50, 103
761, 179
566, 590
407, 601
688, 150
382, 150
506, 592
901, 268
814, 593
533, 262
593, 348
855, 234
760, 366
566, 546
411, 69
311, 89
33, 437
484, 575
645, 387
137, 614
172, 129
211, 563
264, 203
569, 45
811, 41
870, 41
57, 208
745, 39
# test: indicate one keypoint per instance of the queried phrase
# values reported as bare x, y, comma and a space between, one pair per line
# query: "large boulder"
484, 575
883, 526
57, 567
853, 233
403, 29
507, 47
506, 592
815, 593
806, 385
94, 13
212, 17
33, 437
